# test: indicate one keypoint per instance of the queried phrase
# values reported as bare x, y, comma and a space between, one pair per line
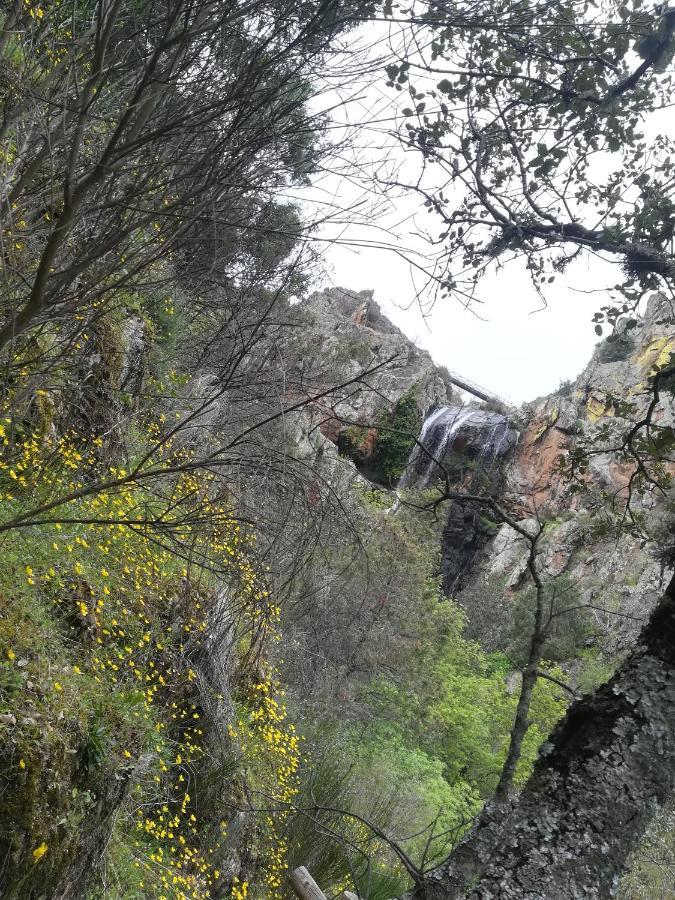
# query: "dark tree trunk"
595, 788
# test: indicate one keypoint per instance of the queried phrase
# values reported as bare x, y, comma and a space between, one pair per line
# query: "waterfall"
474, 433
471, 436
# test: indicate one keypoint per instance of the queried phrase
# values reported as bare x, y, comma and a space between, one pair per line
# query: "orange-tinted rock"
537, 479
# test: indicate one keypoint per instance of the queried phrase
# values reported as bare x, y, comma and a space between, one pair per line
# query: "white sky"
508, 344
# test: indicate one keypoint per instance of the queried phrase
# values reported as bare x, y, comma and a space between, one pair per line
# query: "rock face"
612, 392
616, 574
348, 329
467, 445
344, 332
134, 340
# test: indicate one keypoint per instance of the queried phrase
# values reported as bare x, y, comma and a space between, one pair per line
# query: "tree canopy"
542, 130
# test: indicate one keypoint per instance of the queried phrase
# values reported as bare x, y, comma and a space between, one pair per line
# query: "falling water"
473, 434
433, 443
485, 437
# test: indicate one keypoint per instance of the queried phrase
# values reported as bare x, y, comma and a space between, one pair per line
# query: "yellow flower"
11, 654
126, 754
57, 686
39, 852
22, 764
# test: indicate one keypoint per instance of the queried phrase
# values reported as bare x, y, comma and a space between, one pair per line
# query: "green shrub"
396, 436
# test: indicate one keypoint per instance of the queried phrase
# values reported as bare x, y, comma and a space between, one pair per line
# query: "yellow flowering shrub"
270, 746
125, 608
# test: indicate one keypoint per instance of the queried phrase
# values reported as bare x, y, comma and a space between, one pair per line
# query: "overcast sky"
513, 351
507, 344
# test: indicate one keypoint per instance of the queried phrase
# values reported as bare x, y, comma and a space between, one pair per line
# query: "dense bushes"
396, 436
112, 720
418, 717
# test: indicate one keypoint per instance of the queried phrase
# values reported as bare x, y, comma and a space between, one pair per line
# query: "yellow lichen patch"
635, 390
656, 354
539, 428
597, 409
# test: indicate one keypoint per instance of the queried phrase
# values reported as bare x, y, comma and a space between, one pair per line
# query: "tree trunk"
595, 788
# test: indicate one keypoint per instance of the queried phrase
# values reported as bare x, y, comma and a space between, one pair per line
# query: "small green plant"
350, 440
94, 750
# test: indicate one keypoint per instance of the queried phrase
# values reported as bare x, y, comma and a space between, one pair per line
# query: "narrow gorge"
288, 609
421, 526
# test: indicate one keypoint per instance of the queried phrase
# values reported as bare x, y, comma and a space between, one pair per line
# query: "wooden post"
304, 885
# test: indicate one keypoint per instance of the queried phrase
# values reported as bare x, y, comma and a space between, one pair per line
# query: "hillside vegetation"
237, 634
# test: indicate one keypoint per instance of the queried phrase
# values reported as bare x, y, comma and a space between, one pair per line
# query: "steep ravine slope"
613, 570
142, 708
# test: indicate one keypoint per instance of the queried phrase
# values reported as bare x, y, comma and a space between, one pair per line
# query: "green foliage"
489, 611
432, 809
396, 437
350, 440
424, 714
377, 499
102, 690
595, 669
464, 717
323, 834
94, 748
652, 865
569, 630
544, 89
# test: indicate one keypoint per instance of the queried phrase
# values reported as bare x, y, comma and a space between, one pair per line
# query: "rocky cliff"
613, 572
343, 334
